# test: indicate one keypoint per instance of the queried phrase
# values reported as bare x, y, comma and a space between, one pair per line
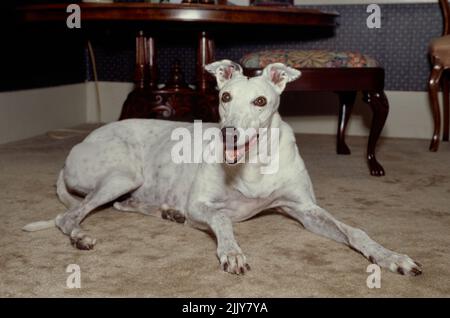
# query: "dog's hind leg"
63, 194
109, 188
134, 205
319, 221
173, 215
167, 213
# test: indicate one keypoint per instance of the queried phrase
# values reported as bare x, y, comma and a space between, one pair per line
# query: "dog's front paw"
399, 263
234, 262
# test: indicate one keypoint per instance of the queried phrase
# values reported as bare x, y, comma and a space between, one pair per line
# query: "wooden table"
195, 13
177, 100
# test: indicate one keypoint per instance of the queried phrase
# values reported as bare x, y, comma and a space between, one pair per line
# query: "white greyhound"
134, 157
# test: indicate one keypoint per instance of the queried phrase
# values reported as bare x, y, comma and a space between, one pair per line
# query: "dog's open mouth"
233, 155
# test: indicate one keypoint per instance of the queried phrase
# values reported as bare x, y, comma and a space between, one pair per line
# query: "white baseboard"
409, 116
28, 113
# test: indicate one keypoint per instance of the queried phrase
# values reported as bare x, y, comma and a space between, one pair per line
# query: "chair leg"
380, 107
346, 102
445, 92
433, 88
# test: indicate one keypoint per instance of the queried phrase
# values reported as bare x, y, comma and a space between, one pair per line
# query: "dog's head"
247, 104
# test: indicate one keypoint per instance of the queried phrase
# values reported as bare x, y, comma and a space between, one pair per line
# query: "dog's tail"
64, 196
40, 225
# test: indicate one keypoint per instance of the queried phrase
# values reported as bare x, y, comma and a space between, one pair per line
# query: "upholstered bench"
345, 73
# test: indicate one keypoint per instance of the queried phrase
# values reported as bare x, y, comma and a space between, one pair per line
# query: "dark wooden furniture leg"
346, 102
380, 108
135, 106
151, 62
207, 101
205, 55
445, 92
175, 101
433, 88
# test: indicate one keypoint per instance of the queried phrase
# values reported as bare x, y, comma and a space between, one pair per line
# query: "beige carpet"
408, 210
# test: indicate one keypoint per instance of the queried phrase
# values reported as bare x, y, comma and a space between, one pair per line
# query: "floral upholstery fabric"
308, 58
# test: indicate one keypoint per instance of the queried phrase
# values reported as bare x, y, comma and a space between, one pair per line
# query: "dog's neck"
252, 172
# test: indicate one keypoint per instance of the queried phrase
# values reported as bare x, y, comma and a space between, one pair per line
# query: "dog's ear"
279, 75
224, 70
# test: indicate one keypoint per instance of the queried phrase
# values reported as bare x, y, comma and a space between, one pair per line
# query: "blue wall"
400, 45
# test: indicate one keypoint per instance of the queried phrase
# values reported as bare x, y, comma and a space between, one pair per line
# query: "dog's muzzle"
233, 151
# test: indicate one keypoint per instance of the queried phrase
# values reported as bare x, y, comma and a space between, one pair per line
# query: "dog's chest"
246, 200
256, 186
240, 208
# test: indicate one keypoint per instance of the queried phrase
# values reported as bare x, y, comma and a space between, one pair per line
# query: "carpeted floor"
408, 210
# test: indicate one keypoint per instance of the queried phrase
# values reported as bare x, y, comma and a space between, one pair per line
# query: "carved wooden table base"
175, 100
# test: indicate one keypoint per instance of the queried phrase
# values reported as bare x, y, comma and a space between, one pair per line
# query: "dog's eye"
260, 101
226, 97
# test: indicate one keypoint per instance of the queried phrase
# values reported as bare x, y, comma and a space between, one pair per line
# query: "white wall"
409, 116
27, 113
112, 96
32, 112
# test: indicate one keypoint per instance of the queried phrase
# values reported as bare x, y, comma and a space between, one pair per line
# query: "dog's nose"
230, 135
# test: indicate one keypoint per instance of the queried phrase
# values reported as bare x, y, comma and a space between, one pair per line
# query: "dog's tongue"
233, 155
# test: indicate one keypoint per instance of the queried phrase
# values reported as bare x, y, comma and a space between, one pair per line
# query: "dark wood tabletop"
195, 13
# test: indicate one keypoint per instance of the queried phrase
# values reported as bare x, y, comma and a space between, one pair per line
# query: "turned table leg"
205, 55
207, 101
150, 60
136, 105
346, 101
380, 107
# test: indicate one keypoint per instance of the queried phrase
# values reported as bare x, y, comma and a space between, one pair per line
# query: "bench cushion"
308, 58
